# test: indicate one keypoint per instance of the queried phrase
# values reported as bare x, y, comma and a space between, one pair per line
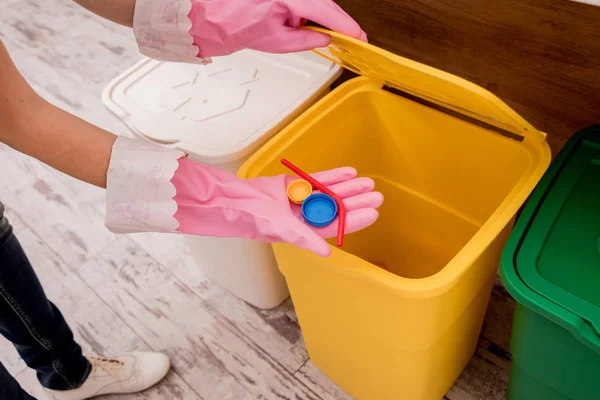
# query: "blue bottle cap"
319, 210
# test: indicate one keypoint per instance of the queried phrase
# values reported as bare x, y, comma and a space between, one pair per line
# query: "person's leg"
10, 388
32, 323
45, 341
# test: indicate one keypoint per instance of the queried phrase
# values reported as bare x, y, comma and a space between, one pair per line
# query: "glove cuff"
139, 192
161, 29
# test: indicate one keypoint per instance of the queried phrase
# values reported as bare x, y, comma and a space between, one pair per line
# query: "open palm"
288, 224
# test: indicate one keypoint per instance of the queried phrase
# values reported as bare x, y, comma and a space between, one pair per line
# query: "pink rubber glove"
194, 30
150, 188
216, 203
222, 27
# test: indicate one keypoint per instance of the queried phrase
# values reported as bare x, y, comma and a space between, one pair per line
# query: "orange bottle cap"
299, 190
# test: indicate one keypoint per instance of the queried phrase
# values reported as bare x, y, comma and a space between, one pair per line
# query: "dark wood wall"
542, 57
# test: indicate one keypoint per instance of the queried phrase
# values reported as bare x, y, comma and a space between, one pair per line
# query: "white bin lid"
220, 112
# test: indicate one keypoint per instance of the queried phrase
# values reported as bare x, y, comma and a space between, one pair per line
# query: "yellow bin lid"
427, 83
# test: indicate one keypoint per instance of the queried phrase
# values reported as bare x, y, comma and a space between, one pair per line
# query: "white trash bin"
220, 114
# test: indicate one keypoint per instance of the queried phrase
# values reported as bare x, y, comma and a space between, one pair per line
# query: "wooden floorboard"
275, 331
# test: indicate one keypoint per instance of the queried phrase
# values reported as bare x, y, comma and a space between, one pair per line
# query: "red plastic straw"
319, 186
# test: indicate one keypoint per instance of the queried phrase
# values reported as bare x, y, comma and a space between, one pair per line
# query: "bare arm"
33, 126
119, 11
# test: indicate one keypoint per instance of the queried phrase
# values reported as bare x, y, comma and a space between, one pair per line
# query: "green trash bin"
551, 266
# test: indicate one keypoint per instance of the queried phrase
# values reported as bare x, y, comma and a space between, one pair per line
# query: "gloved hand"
194, 30
151, 188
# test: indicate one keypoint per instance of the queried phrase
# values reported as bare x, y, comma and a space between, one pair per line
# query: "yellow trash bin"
395, 314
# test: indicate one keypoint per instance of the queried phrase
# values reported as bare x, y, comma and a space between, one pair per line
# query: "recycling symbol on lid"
208, 92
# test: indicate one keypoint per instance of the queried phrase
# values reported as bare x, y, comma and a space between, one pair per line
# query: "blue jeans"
33, 324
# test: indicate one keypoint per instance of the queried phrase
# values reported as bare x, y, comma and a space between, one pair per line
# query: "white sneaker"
128, 373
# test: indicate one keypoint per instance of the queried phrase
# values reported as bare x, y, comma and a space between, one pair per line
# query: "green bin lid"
552, 261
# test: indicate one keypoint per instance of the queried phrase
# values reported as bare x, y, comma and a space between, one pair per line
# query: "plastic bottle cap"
319, 210
299, 190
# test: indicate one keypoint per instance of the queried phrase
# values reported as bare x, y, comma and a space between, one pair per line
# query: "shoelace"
110, 365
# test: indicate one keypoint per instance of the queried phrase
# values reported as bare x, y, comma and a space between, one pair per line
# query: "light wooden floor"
139, 292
